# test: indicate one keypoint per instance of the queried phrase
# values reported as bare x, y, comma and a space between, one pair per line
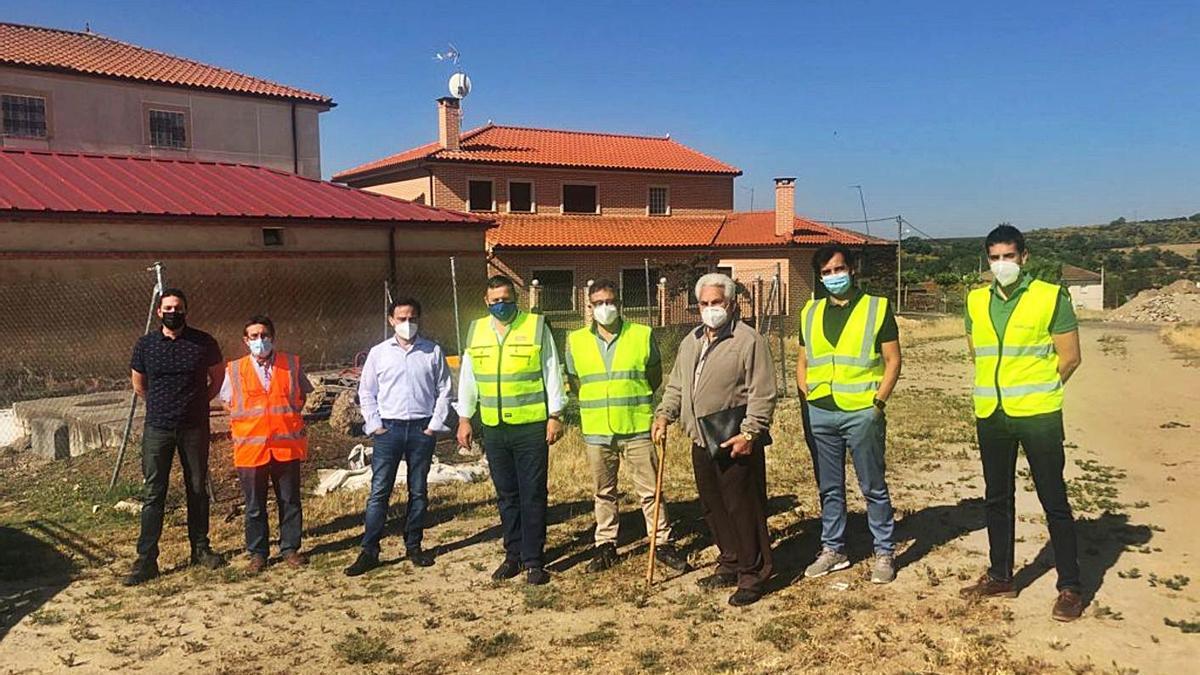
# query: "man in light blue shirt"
405, 394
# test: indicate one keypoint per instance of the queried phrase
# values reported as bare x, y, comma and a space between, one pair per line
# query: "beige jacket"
738, 370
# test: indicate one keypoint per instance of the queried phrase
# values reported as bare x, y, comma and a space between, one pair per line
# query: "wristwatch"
879, 403
557, 417
749, 436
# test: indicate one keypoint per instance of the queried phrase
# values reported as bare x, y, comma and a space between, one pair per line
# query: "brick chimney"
785, 206
449, 122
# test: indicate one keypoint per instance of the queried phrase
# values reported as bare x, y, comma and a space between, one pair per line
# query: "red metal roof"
494, 144
92, 54
48, 183
748, 229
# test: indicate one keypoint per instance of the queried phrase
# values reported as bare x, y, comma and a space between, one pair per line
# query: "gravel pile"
1176, 303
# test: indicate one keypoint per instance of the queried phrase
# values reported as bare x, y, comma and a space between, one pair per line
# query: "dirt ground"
1132, 412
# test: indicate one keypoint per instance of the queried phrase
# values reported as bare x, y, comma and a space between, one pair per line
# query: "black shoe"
365, 562
743, 597
507, 570
208, 558
604, 556
419, 557
718, 580
537, 576
143, 571
667, 555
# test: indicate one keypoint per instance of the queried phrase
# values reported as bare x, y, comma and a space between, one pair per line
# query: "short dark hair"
405, 302
603, 285
502, 281
260, 319
172, 293
1005, 234
826, 253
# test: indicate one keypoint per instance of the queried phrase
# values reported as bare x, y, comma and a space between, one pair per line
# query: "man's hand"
429, 432
464, 433
379, 432
659, 431
553, 431
738, 446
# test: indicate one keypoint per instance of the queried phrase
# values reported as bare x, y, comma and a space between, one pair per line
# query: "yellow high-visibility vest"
852, 369
1019, 372
616, 401
508, 374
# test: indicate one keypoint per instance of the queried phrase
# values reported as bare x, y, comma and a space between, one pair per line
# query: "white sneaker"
884, 569
829, 561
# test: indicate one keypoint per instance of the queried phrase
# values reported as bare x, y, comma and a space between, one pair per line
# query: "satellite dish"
460, 85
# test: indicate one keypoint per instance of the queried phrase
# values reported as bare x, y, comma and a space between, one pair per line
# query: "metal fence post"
154, 300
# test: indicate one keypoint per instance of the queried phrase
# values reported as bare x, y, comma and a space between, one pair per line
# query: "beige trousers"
641, 462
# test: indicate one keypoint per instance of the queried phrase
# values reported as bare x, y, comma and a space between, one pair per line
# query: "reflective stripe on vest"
266, 423
508, 374
1018, 373
617, 401
852, 370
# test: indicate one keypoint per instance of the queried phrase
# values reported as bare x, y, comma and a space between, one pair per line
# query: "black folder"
723, 425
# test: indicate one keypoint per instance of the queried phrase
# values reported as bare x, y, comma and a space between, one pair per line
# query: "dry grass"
915, 331
1184, 339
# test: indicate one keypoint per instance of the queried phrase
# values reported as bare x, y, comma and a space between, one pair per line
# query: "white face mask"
714, 317
606, 314
406, 330
1005, 271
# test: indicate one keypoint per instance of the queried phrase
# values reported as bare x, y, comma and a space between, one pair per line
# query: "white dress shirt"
264, 370
556, 397
405, 383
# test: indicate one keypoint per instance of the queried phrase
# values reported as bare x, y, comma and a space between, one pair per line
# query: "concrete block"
50, 437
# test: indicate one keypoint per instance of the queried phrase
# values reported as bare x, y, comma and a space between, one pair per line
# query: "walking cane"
662, 449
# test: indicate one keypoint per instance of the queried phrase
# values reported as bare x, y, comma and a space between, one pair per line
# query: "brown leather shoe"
294, 559
1068, 606
258, 563
987, 587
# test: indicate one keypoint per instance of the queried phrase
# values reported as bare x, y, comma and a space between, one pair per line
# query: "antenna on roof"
460, 84
87, 27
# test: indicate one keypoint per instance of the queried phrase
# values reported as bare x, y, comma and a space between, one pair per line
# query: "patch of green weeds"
366, 647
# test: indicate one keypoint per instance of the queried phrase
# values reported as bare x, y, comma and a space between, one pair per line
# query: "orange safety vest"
266, 423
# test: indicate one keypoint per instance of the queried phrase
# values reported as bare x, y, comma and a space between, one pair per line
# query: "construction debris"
346, 417
128, 506
357, 475
1178, 302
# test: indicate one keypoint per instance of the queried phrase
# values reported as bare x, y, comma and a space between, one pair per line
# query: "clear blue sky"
958, 115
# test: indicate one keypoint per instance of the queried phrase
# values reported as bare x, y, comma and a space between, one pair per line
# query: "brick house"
577, 206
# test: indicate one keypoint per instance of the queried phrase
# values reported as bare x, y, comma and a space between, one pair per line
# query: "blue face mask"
837, 283
503, 311
261, 346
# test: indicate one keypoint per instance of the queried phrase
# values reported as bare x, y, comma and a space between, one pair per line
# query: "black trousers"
1042, 438
733, 494
158, 448
518, 459
285, 478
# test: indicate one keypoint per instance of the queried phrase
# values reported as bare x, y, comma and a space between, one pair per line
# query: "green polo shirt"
834, 323
1000, 309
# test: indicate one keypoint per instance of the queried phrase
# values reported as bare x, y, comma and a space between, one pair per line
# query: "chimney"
449, 121
785, 206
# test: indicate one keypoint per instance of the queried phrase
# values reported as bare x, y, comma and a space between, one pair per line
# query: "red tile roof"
92, 54
748, 229
64, 184
494, 144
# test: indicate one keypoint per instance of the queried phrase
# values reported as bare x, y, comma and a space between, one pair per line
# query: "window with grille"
272, 236
23, 115
633, 287
168, 129
520, 197
558, 289
658, 203
479, 195
579, 199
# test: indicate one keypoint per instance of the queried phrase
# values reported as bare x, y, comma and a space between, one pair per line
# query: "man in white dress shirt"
405, 394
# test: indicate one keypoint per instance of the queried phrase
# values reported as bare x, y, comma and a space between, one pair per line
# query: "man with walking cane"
614, 367
722, 391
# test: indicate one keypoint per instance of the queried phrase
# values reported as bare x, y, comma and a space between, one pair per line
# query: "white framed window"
580, 198
658, 201
168, 128
481, 195
520, 197
24, 116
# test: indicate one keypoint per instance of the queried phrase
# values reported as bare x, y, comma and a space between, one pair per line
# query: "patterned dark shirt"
176, 376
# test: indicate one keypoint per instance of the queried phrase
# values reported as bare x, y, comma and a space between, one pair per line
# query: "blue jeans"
518, 458
403, 440
863, 432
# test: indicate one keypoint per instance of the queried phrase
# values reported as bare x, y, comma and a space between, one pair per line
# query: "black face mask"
174, 320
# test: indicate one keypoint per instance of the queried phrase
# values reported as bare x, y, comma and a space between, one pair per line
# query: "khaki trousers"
641, 462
